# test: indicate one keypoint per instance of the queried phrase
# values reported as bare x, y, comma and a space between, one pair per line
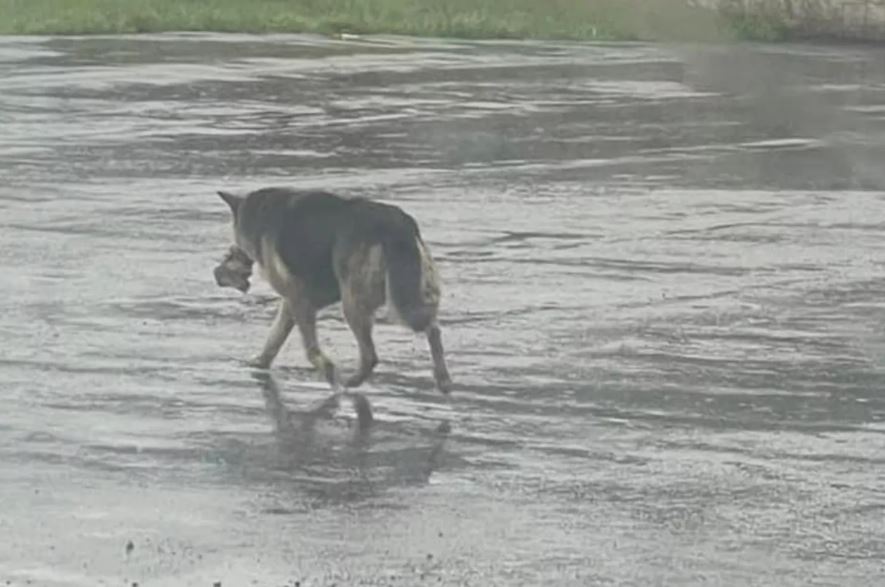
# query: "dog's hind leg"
360, 317
361, 275
305, 316
279, 332
440, 371
413, 288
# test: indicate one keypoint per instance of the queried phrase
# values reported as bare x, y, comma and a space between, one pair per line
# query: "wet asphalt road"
663, 312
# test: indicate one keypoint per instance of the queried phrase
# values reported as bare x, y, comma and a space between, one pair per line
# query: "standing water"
664, 273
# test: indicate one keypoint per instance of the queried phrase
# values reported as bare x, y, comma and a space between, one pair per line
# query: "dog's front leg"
279, 332
306, 318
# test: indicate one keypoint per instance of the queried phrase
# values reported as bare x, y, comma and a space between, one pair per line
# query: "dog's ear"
232, 200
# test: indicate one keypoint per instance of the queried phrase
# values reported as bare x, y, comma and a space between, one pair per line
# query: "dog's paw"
444, 384
356, 380
258, 362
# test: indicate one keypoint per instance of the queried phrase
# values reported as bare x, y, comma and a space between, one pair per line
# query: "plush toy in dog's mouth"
234, 270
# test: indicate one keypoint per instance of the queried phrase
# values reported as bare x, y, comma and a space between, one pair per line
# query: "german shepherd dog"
315, 249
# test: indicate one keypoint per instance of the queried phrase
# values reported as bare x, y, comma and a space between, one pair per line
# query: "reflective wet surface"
663, 272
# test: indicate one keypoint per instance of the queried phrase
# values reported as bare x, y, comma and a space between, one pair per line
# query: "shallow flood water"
663, 272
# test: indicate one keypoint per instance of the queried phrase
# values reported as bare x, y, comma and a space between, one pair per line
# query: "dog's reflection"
375, 461
298, 428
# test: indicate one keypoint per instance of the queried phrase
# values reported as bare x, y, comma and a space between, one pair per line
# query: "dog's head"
234, 270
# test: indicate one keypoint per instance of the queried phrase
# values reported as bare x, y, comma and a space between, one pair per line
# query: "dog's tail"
412, 282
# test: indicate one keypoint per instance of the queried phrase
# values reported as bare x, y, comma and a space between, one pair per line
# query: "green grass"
759, 25
547, 19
